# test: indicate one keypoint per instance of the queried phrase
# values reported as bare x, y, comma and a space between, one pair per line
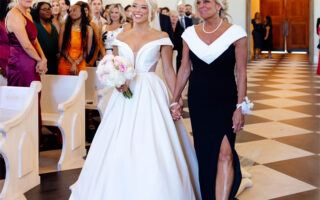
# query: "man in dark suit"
184, 21
165, 24
189, 14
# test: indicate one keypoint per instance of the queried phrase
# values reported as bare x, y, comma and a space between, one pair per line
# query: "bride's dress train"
139, 152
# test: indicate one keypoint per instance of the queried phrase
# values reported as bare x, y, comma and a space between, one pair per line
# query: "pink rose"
122, 68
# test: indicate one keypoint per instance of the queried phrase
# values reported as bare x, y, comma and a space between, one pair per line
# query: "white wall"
237, 10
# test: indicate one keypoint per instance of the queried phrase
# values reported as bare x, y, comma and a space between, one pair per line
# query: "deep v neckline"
213, 42
136, 54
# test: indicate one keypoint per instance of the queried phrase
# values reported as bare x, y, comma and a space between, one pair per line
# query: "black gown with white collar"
212, 100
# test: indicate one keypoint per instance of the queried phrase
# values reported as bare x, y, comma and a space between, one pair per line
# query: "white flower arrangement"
246, 106
114, 71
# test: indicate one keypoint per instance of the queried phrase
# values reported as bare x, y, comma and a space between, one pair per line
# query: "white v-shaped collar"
209, 53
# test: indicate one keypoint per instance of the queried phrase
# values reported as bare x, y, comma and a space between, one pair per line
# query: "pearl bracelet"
173, 104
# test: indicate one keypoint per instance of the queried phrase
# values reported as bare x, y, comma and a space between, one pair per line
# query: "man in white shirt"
64, 6
96, 7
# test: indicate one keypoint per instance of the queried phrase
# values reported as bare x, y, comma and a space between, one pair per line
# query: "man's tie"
182, 23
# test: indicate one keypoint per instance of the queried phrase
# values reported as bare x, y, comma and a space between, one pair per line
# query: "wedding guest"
64, 6
268, 37
26, 60
192, 16
116, 23
47, 34
258, 34
185, 22
128, 12
57, 19
177, 32
93, 53
96, 7
75, 40
106, 11
4, 41
165, 11
217, 91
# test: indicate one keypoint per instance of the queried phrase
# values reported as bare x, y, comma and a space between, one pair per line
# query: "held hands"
41, 67
238, 120
176, 110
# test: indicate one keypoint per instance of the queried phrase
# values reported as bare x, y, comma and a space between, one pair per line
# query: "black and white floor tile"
280, 143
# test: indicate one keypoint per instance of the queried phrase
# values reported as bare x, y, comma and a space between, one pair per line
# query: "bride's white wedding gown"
139, 152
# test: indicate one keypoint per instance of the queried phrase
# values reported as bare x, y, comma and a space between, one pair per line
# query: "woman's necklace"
209, 32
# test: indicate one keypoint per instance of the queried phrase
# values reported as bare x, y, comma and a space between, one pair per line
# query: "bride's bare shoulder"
124, 35
159, 34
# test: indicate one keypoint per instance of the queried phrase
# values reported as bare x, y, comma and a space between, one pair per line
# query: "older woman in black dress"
215, 98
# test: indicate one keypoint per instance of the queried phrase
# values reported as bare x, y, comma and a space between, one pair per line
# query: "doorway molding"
311, 29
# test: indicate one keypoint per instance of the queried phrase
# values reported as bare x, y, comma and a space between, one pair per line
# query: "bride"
139, 152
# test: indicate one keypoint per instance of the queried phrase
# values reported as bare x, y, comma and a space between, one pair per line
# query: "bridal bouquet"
114, 71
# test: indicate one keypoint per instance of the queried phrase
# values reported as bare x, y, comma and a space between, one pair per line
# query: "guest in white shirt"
96, 7
64, 5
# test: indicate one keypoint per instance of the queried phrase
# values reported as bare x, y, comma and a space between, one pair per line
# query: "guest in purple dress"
4, 41
26, 60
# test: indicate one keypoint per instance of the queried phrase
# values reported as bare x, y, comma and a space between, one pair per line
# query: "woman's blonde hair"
173, 12
121, 11
223, 11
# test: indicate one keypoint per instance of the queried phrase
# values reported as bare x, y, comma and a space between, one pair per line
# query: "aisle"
280, 143
282, 135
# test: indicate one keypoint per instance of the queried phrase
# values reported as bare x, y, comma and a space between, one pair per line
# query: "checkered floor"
282, 136
280, 143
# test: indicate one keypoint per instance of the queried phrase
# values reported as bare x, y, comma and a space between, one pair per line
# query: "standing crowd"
71, 37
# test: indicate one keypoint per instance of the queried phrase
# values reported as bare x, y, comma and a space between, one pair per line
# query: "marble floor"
279, 146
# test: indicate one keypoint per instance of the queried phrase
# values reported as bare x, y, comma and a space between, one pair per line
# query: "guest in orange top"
75, 41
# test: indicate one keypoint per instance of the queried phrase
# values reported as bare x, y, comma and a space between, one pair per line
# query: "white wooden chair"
19, 139
63, 106
97, 95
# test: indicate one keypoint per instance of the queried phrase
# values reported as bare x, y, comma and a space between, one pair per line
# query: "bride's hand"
176, 112
122, 88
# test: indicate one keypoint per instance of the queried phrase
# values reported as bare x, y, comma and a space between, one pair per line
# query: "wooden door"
275, 9
296, 12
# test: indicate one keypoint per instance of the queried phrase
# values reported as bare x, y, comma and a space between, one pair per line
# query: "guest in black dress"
258, 35
268, 46
177, 32
214, 48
